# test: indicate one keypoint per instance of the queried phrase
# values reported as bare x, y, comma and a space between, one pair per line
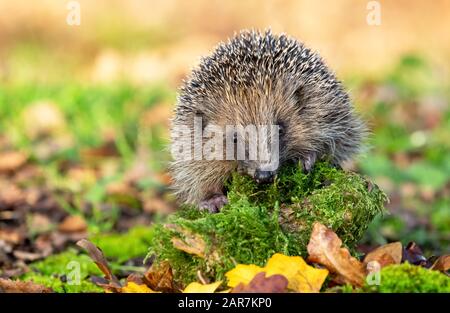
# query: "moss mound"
261, 220
410, 278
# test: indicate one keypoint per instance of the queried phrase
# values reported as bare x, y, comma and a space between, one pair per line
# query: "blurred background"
84, 111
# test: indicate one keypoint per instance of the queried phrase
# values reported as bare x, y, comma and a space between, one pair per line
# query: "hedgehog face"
257, 151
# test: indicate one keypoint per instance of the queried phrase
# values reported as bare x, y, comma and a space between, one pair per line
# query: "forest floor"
80, 161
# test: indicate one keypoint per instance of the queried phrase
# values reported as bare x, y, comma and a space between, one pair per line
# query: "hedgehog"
259, 78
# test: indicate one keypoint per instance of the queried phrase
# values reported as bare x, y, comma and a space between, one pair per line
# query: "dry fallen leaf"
108, 149
262, 284
301, 276
73, 224
15, 286
325, 248
242, 274
10, 194
27, 256
414, 255
97, 256
190, 243
159, 277
442, 263
13, 236
202, 288
11, 161
132, 287
387, 254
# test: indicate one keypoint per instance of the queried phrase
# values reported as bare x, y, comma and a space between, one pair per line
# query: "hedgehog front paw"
309, 161
214, 203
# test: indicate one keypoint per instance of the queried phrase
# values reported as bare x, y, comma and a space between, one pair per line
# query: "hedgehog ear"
299, 95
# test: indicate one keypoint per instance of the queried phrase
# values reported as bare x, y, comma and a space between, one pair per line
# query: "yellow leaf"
301, 276
132, 287
242, 274
200, 288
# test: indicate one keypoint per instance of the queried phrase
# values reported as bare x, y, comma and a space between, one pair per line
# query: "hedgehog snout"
263, 177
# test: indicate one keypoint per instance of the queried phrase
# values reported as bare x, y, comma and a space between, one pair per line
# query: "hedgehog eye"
281, 128
235, 137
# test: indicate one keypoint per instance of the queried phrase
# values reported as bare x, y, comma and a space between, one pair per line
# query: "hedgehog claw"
214, 203
309, 161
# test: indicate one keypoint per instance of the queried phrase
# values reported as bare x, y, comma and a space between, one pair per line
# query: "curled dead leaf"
414, 255
387, 254
442, 263
159, 277
97, 256
324, 248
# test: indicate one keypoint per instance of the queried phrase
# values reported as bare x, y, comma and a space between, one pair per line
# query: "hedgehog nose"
263, 177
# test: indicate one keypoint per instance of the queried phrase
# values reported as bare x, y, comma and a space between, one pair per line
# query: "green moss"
122, 247
409, 278
54, 271
261, 220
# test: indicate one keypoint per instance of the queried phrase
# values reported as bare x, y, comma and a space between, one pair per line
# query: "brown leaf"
159, 277
73, 224
27, 256
325, 248
190, 243
414, 255
387, 254
108, 149
97, 256
442, 263
262, 284
11, 161
135, 278
16, 286
13, 236
10, 194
